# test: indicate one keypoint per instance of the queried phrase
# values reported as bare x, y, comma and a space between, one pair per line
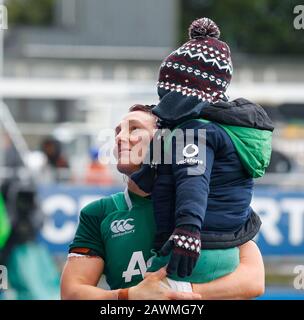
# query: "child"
202, 200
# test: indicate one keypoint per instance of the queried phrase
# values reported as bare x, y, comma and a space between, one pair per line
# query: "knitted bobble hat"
201, 67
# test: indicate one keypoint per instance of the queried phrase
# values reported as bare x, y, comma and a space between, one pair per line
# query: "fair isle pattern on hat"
196, 72
210, 55
201, 67
201, 95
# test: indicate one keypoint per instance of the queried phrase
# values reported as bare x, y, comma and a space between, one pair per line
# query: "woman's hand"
152, 288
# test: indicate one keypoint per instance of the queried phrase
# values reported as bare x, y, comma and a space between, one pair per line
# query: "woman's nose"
122, 137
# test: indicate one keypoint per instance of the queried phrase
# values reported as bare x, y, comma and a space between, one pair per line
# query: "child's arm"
191, 167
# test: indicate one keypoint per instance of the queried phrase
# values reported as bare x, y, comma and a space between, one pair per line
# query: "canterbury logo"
118, 226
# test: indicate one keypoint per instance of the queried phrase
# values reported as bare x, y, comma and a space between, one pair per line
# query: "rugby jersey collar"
133, 199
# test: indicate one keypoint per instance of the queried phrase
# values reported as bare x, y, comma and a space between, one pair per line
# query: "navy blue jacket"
210, 190
214, 195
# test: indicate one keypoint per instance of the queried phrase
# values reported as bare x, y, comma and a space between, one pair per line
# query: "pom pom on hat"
201, 67
204, 27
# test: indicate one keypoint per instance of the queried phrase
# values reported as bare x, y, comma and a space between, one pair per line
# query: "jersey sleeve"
88, 234
192, 162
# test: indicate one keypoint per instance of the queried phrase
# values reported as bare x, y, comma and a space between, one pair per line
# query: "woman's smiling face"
132, 138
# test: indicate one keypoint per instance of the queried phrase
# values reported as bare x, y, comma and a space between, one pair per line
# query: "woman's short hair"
142, 107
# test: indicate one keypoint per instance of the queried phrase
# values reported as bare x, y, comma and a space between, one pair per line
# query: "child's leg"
163, 197
145, 176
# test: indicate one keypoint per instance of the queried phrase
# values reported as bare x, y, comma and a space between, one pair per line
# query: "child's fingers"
173, 263
166, 249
